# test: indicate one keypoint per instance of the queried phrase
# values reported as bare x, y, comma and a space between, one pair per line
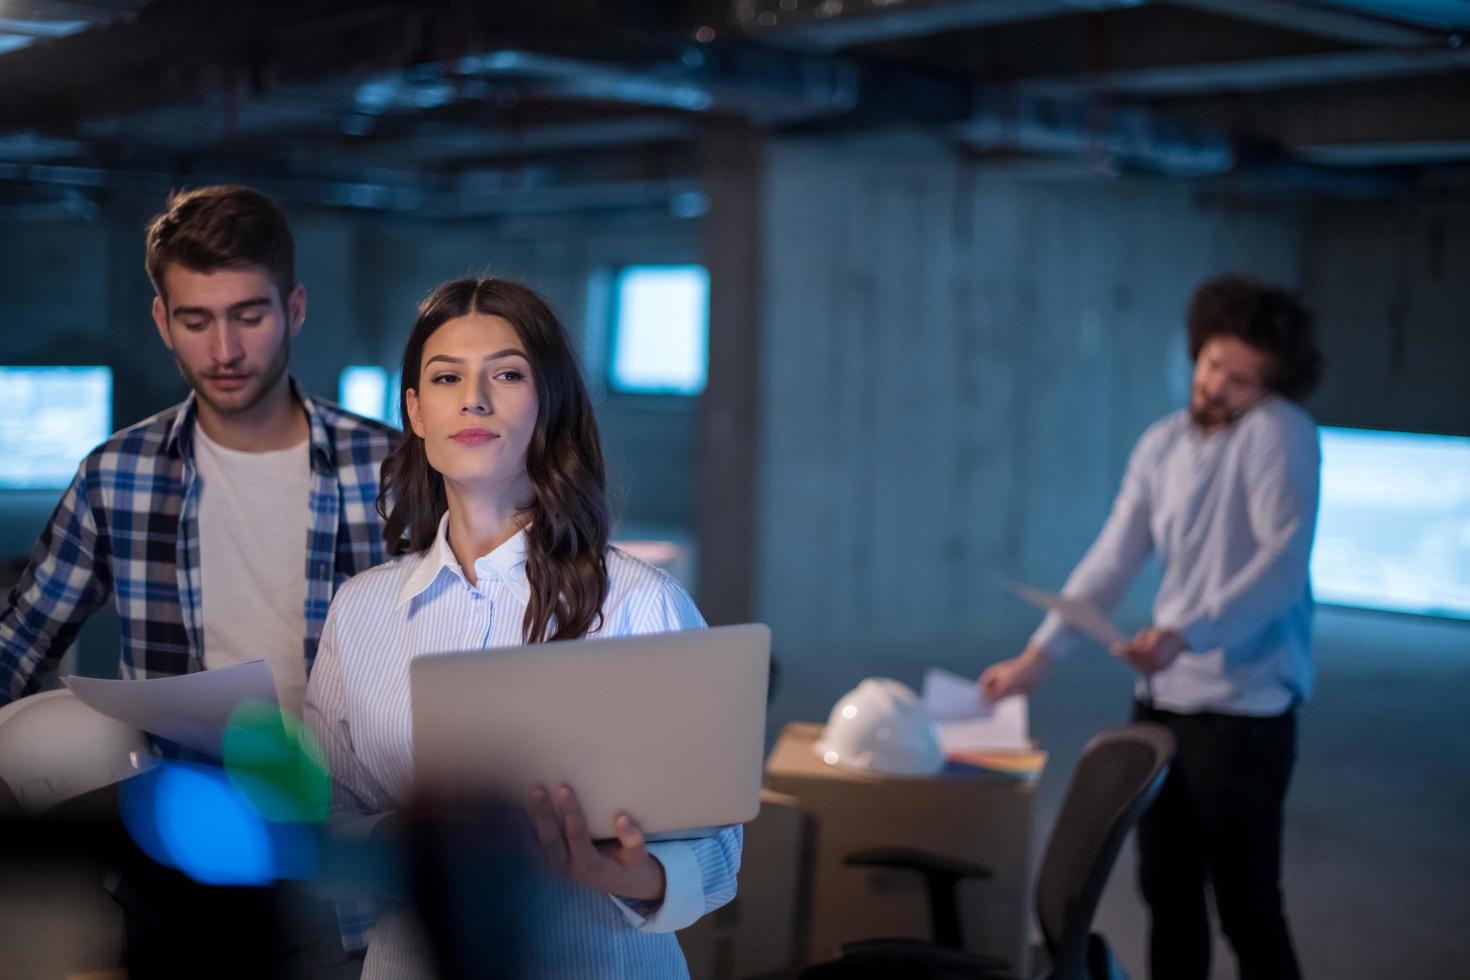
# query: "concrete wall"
957, 365
1391, 287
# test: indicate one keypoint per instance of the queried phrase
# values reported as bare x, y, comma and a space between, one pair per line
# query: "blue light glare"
1393, 531
364, 390
190, 817
50, 418
661, 331
371, 392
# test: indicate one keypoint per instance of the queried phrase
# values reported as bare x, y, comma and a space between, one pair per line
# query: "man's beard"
1208, 415
268, 378
1213, 415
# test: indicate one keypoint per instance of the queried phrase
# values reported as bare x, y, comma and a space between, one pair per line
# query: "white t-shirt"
254, 515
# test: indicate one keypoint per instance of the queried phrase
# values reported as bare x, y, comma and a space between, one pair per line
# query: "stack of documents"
975, 732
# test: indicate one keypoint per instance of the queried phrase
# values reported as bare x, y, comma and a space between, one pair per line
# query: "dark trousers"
1217, 821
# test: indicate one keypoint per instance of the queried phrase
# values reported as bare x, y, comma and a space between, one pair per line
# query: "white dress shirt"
1231, 514
357, 706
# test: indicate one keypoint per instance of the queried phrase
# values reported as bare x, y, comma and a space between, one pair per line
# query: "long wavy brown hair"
566, 541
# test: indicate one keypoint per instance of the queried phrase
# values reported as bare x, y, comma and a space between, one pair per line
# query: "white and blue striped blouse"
357, 706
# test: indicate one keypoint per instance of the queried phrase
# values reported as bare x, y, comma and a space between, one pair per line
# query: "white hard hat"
53, 747
882, 726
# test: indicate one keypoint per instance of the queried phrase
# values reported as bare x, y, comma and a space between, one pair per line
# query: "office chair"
1119, 774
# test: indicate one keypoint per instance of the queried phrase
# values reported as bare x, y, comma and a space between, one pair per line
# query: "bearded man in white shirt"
1225, 492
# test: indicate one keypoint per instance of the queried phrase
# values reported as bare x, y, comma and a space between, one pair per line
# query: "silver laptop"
669, 726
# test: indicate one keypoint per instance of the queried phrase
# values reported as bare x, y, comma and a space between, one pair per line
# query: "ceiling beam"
547, 138
1256, 75
473, 193
762, 85
42, 11
1405, 110
1338, 25
829, 25
1122, 134
1385, 154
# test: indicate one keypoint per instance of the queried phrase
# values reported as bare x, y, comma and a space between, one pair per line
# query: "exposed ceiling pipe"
1129, 135
1256, 75
829, 25
471, 194
1320, 21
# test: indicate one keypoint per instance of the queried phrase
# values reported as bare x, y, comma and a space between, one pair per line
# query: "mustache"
1203, 407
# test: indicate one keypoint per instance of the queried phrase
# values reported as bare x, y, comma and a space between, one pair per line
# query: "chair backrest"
1120, 772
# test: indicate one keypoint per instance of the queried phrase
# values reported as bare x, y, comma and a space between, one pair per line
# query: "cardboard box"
983, 818
755, 935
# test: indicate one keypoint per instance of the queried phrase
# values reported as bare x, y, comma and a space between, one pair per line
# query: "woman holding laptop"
495, 505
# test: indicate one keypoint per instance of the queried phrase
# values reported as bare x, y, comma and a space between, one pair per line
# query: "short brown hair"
1265, 317
222, 227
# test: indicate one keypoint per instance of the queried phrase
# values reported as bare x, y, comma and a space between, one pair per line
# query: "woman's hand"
623, 867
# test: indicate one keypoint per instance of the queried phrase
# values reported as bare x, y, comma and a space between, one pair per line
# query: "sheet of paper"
1081, 614
190, 709
950, 697
969, 723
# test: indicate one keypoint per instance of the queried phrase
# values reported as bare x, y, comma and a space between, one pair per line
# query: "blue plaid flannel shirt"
128, 526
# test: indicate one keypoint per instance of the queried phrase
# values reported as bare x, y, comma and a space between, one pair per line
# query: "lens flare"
273, 760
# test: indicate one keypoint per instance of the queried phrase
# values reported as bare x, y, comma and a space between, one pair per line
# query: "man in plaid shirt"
189, 518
